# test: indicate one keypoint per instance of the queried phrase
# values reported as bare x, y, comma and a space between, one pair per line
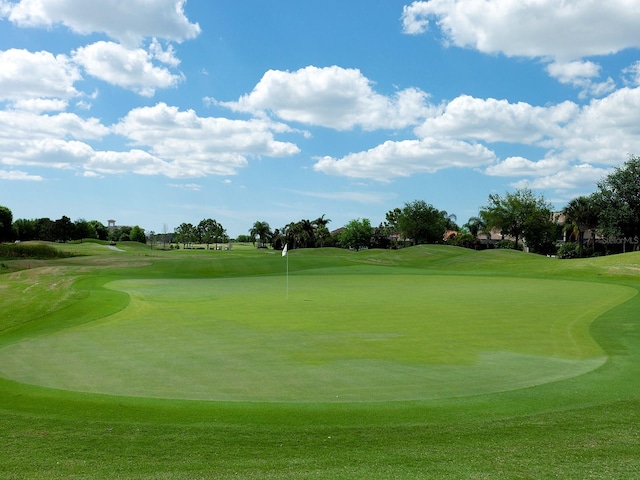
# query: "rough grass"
584, 426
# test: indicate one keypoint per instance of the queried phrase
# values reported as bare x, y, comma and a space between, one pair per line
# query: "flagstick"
285, 253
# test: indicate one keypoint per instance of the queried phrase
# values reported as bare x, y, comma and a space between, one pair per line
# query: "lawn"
429, 362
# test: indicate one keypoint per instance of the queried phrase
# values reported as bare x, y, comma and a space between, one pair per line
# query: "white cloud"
632, 75
134, 161
20, 126
567, 72
196, 146
494, 120
127, 21
24, 74
52, 141
580, 74
408, 157
40, 105
566, 30
128, 68
519, 167
194, 187
167, 56
560, 32
604, 132
332, 97
578, 143
581, 175
19, 176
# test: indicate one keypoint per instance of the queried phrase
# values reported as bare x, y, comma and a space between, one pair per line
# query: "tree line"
63, 229
524, 219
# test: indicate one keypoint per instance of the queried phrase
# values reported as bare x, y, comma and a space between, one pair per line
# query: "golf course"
431, 361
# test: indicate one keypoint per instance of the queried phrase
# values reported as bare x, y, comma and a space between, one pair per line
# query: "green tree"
581, 215
262, 230
24, 229
84, 229
137, 235
209, 231
320, 229
357, 234
6, 224
186, 234
620, 200
102, 232
64, 229
520, 214
45, 230
422, 222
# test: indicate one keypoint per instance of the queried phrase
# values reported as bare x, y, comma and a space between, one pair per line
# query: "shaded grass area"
582, 427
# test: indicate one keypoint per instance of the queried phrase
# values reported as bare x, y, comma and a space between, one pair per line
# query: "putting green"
337, 338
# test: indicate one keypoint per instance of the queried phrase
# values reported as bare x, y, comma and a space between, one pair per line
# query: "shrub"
569, 250
39, 251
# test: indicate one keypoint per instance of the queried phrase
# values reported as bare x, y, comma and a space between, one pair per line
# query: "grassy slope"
580, 428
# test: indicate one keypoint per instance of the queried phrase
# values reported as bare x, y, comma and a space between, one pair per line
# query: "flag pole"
285, 254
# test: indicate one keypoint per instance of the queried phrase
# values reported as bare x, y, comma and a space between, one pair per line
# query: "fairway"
347, 337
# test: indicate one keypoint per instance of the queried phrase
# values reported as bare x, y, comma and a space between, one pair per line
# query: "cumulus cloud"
578, 143
40, 105
408, 157
566, 30
492, 120
332, 97
128, 68
24, 74
52, 141
581, 74
632, 75
582, 175
559, 32
198, 146
519, 166
126, 21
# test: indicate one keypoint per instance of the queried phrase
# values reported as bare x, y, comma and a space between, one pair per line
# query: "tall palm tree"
321, 230
476, 225
262, 230
582, 213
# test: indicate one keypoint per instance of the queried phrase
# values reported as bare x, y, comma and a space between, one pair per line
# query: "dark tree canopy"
421, 222
522, 215
357, 234
6, 222
620, 200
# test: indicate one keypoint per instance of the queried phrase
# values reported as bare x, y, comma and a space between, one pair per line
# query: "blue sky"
155, 113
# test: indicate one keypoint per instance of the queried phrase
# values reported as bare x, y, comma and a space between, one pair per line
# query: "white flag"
284, 250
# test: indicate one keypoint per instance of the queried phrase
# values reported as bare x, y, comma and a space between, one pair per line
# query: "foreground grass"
582, 427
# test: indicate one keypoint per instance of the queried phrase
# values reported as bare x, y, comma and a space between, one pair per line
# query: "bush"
507, 244
20, 250
569, 250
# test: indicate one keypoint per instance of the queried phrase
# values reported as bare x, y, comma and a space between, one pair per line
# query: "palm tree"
475, 225
262, 231
321, 230
582, 214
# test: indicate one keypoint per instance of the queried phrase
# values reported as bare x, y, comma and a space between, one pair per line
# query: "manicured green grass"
429, 362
